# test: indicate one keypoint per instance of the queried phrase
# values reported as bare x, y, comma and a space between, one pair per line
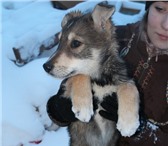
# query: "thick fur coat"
87, 57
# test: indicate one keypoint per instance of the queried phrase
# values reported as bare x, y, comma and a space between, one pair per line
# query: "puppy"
87, 57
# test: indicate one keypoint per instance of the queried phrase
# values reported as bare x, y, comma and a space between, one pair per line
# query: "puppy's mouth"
72, 73
63, 75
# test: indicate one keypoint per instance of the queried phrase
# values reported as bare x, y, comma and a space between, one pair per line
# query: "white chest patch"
101, 92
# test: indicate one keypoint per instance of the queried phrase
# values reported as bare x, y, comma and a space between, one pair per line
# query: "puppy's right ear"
70, 16
101, 14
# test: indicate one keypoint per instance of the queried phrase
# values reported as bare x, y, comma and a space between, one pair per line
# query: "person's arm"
59, 106
110, 112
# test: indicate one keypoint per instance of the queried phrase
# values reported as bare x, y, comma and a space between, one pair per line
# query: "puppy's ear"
101, 14
70, 16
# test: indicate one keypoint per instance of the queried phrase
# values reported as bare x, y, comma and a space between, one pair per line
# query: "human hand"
110, 106
60, 111
110, 112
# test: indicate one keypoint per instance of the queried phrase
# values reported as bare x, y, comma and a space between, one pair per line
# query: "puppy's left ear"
101, 14
70, 16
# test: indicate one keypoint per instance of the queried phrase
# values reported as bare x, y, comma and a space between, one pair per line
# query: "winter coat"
152, 80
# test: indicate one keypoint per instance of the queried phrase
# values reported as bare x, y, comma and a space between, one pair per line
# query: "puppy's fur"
88, 56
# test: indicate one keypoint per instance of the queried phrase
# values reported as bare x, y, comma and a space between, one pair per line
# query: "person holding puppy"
144, 46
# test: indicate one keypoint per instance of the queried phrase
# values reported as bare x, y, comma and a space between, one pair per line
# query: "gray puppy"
88, 56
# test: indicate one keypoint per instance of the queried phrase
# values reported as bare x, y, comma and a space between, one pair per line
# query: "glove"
59, 110
110, 106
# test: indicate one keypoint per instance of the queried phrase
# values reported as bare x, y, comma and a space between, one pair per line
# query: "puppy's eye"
75, 44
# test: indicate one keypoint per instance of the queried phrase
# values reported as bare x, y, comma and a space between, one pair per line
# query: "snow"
25, 90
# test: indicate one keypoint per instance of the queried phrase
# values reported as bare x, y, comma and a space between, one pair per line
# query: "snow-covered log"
23, 56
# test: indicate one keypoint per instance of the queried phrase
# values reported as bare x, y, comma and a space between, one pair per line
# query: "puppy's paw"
128, 111
83, 113
128, 126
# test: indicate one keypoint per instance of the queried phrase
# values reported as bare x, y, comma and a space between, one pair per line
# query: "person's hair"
148, 4
143, 26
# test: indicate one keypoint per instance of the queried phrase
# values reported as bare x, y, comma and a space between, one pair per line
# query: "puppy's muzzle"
48, 67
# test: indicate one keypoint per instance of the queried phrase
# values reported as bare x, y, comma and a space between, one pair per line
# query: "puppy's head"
83, 40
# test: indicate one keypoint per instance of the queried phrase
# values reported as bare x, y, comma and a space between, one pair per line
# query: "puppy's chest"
102, 91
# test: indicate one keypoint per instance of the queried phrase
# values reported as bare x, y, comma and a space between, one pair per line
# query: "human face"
157, 24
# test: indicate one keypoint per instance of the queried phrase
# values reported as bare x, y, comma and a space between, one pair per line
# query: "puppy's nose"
47, 67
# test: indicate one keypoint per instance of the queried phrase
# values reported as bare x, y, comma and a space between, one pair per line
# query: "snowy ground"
24, 89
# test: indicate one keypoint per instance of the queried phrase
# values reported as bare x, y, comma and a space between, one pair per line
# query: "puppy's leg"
82, 104
128, 110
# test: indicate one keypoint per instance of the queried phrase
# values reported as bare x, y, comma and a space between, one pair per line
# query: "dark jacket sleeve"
151, 135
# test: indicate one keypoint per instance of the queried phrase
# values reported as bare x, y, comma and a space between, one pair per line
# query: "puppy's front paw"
83, 113
128, 126
128, 109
